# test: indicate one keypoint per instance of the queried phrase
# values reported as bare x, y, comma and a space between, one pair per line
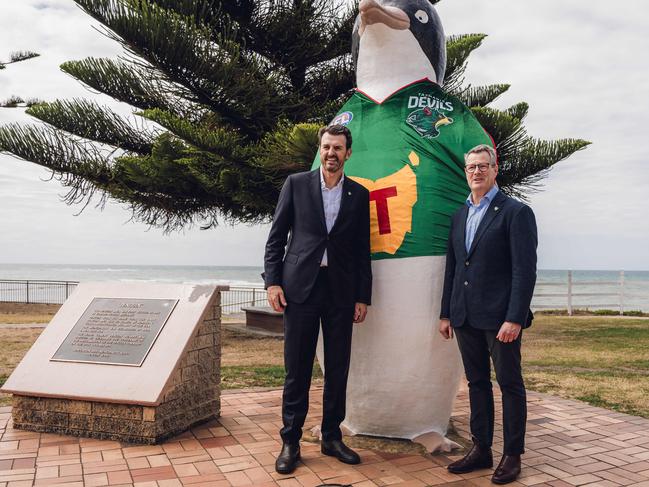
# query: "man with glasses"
488, 287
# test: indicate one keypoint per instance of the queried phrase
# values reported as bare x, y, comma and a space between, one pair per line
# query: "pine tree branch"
216, 74
480, 96
18, 56
340, 41
159, 190
78, 165
180, 181
458, 49
518, 111
203, 12
527, 167
218, 140
12, 102
327, 84
499, 124
288, 149
118, 80
287, 37
88, 120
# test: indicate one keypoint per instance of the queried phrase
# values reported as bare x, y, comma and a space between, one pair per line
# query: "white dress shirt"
331, 201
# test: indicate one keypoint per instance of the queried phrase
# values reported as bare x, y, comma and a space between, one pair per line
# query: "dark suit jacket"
494, 281
300, 212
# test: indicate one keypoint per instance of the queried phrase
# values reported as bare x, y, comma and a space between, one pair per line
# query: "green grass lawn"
240, 377
600, 360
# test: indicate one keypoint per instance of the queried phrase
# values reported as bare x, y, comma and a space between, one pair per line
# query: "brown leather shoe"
508, 469
477, 458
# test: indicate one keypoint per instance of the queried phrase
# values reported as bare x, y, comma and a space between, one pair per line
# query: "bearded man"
323, 276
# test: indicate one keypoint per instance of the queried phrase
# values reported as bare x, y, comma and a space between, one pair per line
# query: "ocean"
590, 289
231, 275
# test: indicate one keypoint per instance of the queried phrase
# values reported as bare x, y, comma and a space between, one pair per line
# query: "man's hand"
508, 332
445, 329
360, 311
276, 298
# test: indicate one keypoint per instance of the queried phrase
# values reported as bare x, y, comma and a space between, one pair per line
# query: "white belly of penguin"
389, 60
403, 375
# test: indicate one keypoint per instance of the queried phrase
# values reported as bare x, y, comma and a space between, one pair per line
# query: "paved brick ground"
569, 444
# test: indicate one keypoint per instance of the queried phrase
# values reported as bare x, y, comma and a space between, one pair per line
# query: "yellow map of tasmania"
391, 202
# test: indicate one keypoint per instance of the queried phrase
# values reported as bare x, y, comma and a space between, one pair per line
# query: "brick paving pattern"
568, 444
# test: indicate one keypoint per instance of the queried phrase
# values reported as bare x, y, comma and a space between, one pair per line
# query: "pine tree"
228, 97
15, 101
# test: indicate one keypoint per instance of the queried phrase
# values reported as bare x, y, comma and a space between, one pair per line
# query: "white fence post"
621, 293
569, 293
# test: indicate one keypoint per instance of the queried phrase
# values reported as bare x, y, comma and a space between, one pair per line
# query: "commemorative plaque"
116, 331
126, 361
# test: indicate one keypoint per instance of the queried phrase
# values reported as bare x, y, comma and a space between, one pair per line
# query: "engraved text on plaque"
118, 331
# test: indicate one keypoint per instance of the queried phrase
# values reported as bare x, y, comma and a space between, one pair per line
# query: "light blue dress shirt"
476, 213
331, 198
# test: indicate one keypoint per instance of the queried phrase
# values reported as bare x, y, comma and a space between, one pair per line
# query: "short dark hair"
336, 130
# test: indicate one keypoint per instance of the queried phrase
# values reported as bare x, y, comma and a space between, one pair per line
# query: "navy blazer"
300, 212
494, 281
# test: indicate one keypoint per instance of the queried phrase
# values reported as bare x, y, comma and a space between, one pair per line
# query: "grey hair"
483, 148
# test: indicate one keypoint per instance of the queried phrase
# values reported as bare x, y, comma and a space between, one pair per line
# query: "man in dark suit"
488, 287
324, 275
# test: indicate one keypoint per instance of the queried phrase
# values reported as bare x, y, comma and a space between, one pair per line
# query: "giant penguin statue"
409, 138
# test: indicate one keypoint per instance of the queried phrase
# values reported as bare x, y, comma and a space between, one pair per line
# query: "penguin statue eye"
421, 16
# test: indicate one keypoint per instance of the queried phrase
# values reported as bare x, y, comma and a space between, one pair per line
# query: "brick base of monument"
192, 396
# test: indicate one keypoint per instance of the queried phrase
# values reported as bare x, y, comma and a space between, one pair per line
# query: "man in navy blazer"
323, 275
488, 287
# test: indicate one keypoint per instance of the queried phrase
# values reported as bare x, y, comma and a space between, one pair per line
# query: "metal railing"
237, 297
569, 294
56, 292
41, 292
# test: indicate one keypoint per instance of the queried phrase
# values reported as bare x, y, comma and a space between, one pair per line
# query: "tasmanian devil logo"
427, 121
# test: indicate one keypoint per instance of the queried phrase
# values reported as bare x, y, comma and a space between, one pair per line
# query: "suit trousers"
301, 329
477, 347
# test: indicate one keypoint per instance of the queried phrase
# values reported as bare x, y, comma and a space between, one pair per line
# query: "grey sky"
580, 65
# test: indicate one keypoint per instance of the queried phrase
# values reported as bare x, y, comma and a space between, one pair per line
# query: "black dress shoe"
477, 458
288, 458
508, 469
336, 448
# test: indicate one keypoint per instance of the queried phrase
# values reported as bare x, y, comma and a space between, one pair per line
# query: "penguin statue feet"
435, 442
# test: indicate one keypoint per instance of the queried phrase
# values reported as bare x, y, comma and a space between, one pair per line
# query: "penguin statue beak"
372, 12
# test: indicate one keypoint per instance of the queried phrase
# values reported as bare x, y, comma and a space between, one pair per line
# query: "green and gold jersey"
409, 153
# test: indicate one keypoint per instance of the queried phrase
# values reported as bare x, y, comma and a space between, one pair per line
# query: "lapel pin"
496, 208
349, 193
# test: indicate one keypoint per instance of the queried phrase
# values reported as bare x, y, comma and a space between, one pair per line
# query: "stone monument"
135, 362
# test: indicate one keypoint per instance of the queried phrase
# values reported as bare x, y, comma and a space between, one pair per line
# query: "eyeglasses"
471, 168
